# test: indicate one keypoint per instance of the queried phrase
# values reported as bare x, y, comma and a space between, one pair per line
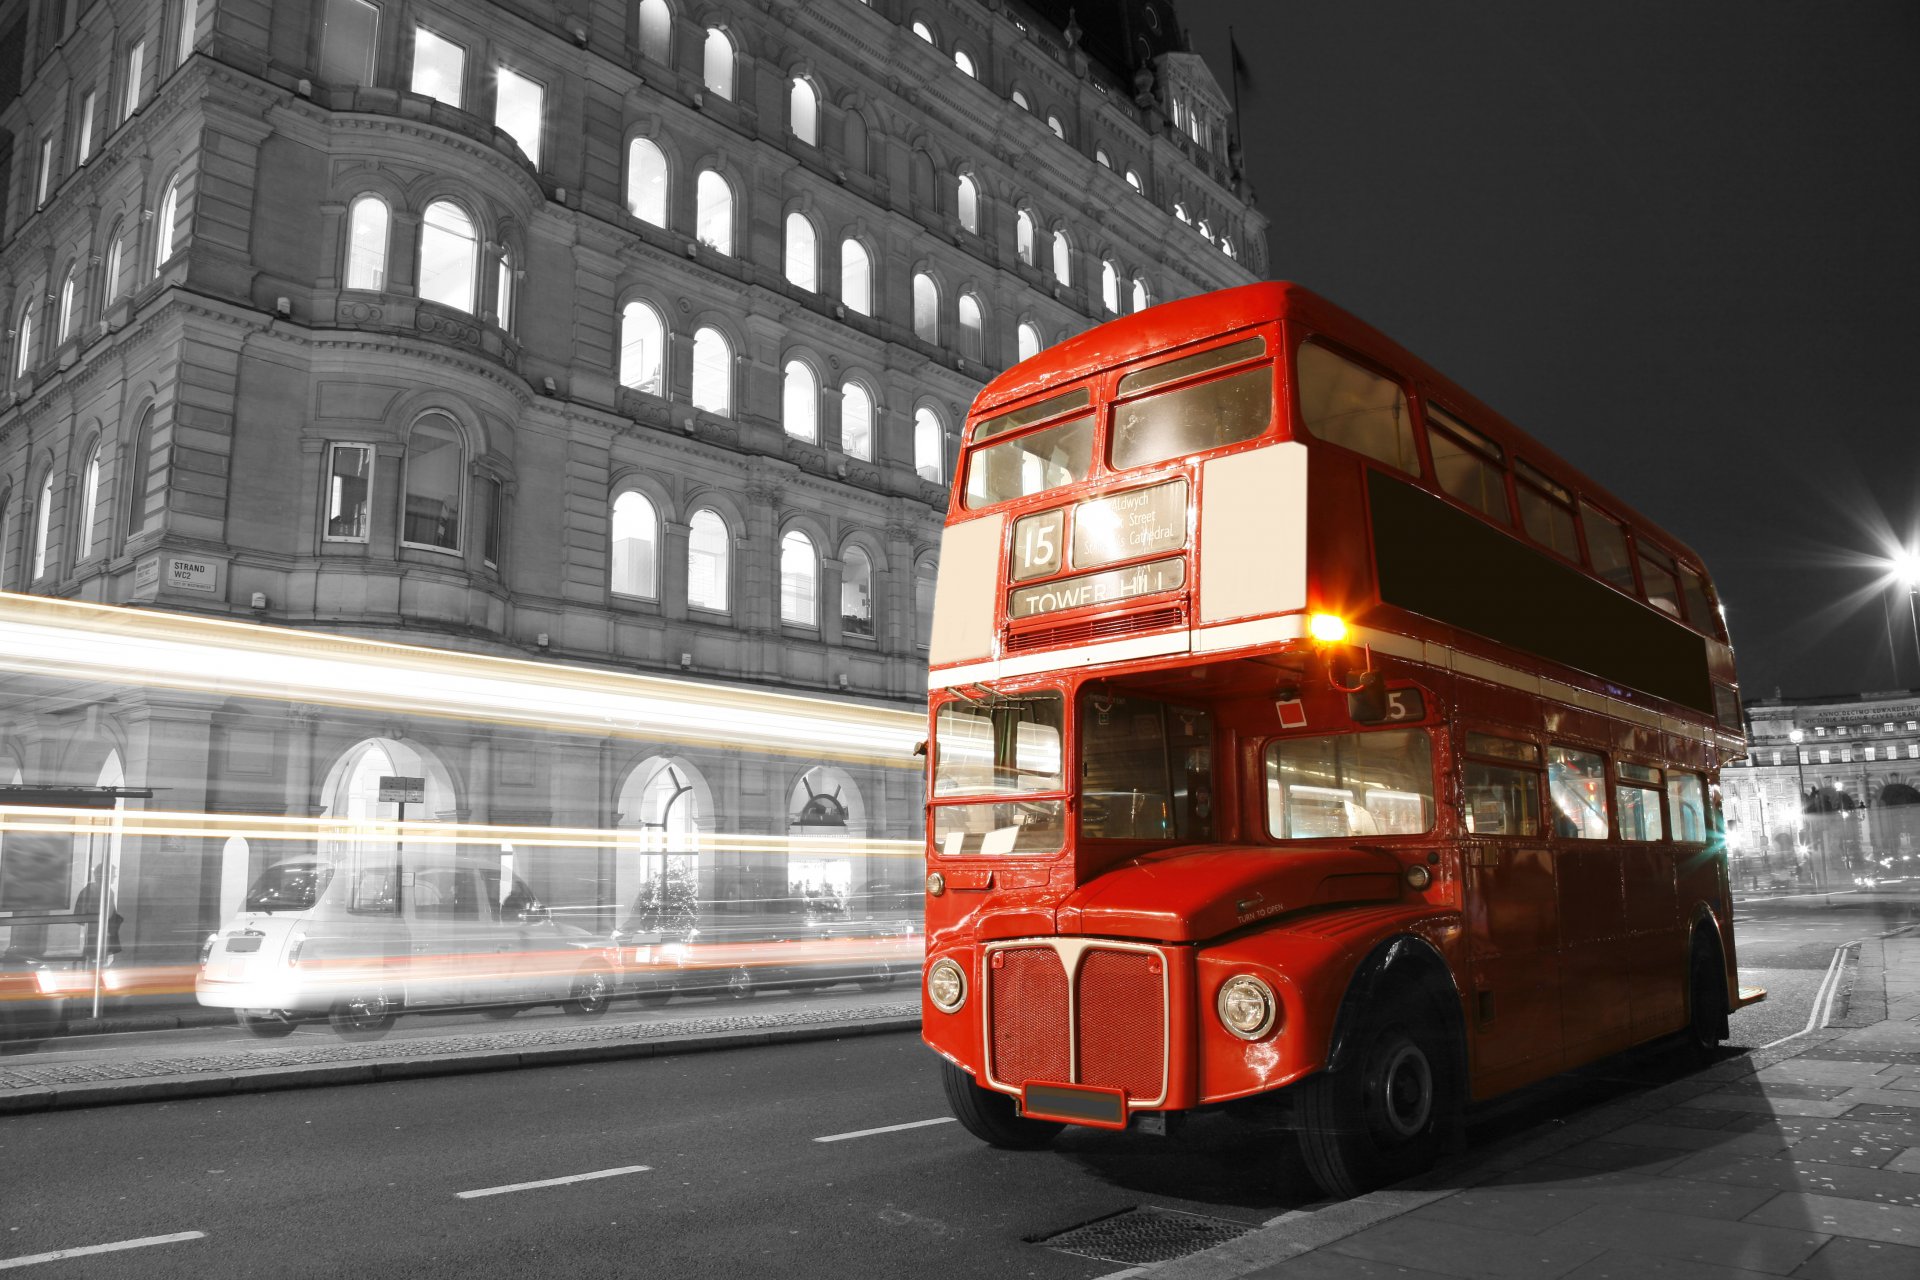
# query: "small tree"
670, 902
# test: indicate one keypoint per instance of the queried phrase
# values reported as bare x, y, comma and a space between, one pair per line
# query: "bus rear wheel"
991, 1116
1384, 1115
1706, 1000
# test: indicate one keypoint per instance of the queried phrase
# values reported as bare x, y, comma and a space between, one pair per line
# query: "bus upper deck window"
1546, 511
1356, 408
1193, 418
1700, 610
1467, 465
1607, 545
1029, 464
1656, 574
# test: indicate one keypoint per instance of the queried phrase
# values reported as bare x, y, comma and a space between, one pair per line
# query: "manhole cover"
1146, 1235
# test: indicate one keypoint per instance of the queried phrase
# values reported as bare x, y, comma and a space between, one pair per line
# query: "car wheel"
740, 984
654, 999
876, 982
268, 1024
363, 1017
992, 1116
500, 1012
1386, 1113
592, 995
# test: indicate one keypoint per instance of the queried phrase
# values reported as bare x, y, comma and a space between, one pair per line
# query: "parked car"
360, 946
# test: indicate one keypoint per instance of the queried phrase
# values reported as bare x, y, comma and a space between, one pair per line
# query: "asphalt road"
712, 1164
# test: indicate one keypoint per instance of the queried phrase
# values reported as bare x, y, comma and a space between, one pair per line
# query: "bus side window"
1501, 800
1577, 786
1686, 799
1355, 408
1607, 547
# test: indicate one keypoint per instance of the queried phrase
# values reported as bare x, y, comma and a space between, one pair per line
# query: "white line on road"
57, 1254
1822, 998
891, 1128
552, 1182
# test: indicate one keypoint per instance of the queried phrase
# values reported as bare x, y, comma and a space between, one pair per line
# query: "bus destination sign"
1097, 588
1140, 522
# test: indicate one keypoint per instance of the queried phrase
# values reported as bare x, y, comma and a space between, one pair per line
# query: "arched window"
1133, 180
164, 238
635, 557
42, 526
800, 401
803, 111
110, 289
799, 580
920, 29
136, 482
1180, 212
1029, 340
856, 421
973, 328
367, 243
1020, 101
1142, 297
1024, 234
923, 582
504, 276
856, 592
713, 212
920, 178
856, 277
929, 445
1110, 286
1101, 158
433, 483
964, 61
449, 256
967, 203
1062, 258
65, 330
855, 140
1206, 230
712, 371
23, 339
89, 502
709, 561
718, 63
926, 307
647, 182
643, 345
1059, 130
1226, 247
803, 253
656, 31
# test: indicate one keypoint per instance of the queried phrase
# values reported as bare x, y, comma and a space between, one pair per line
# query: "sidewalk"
1802, 1160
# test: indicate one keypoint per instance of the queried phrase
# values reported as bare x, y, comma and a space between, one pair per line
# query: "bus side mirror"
1367, 704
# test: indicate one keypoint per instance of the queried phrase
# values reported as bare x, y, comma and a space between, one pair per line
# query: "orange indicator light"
1327, 628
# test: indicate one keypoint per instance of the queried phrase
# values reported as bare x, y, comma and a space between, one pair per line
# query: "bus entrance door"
1513, 937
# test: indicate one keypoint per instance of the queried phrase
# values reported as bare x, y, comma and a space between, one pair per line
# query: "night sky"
1678, 242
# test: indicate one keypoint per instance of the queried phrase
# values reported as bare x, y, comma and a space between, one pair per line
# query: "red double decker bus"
1306, 739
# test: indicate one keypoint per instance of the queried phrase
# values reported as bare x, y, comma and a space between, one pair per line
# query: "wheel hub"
1406, 1090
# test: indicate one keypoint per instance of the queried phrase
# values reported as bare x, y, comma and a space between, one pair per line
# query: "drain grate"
1146, 1235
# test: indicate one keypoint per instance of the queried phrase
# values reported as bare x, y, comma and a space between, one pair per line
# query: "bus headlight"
1246, 1006
946, 986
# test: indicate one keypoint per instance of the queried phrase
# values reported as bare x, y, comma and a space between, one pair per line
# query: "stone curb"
320, 1075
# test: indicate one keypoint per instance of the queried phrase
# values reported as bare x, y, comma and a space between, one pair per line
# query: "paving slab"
1844, 1259
1875, 1185
1744, 1244
1840, 1216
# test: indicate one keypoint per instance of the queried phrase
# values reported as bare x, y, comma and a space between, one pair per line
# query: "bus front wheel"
991, 1116
1386, 1113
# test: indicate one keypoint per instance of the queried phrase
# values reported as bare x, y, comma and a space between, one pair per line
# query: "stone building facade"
620, 334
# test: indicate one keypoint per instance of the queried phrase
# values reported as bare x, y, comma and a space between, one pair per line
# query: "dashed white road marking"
553, 1182
890, 1128
56, 1255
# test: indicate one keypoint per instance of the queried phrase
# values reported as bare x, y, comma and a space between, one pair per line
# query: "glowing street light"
1906, 569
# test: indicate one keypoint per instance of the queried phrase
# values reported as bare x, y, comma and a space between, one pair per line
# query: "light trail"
74, 640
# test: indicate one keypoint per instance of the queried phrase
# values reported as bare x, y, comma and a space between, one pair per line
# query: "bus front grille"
1029, 1019
1116, 1018
1122, 1018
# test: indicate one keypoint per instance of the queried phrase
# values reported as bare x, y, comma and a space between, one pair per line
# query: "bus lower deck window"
1350, 784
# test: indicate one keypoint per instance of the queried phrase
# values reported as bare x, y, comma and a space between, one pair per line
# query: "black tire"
1706, 999
740, 984
268, 1024
592, 995
363, 1017
991, 1116
1387, 1113
500, 1012
654, 999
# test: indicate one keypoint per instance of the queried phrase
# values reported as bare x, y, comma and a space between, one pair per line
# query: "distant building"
1830, 789
630, 334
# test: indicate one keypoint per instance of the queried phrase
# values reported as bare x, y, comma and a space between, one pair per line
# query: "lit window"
112, 286
504, 275
856, 277
717, 64
89, 502
1062, 258
926, 308
1101, 158
42, 526
709, 556
642, 349
1059, 130
1024, 234
43, 182
799, 580
647, 182
164, 241
433, 481
1020, 100
920, 29
929, 445
1142, 298
856, 421
517, 107
968, 203
367, 243
449, 255
1206, 231
1226, 247
713, 212
803, 257
136, 70
23, 340
189, 28
712, 372
962, 60
973, 329
494, 512
856, 592
349, 32
636, 535
439, 67
1029, 341
349, 486
803, 111
656, 31
800, 401
1180, 212
1133, 180
65, 329
137, 474
1110, 287
84, 152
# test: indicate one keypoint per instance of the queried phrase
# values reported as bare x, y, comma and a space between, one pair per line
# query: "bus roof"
1174, 324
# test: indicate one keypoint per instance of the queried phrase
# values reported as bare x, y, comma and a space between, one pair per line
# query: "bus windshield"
1146, 769
1350, 784
986, 751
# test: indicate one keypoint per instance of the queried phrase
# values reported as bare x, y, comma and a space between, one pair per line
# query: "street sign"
396, 789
